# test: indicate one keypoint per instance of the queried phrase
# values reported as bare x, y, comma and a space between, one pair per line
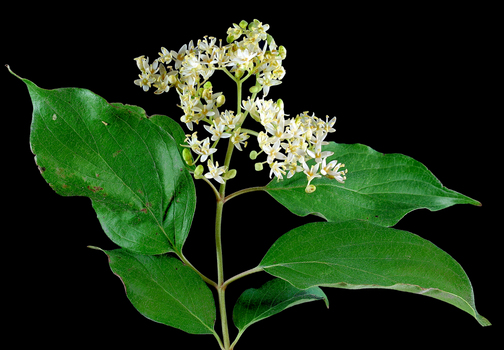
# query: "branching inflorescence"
288, 143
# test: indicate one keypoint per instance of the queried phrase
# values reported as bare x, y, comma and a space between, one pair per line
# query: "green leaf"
174, 129
357, 254
165, 290
271, 298
380, 188
130, 168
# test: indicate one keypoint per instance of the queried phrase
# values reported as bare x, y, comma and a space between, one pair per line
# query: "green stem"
241, 275
245, 190
221, 287
220, 271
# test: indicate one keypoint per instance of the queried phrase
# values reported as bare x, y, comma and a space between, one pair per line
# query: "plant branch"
245, 190
241, 275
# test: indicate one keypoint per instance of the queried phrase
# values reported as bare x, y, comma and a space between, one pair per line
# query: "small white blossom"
331, 170
205, 149
273, 152
215, 171
239, 138
267, 81
241, 58
145, 81
217, 131
277, 169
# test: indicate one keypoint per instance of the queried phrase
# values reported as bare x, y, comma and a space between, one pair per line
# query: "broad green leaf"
271, 298
380, 188
357, 254
130, 168
165, 290
174, 129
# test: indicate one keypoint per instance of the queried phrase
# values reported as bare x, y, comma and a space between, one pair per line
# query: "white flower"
193, 142
217, 131
239, 138
318, 154
267, 81
249, 105
277, 129
229, 120
328, 125
331, 170
215, 171
145, 81
241, 58
205, 149
273, 152
311, 173
277, 169
165, 56
179, 56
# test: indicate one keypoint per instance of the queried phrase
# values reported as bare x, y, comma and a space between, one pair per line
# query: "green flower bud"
198, 172
255, 89
239, 73
187, 156
253, 155
243, 24
282, 51
230, 39
229, 174
258, 166
253, 25
280, 103
220, 100
207, 85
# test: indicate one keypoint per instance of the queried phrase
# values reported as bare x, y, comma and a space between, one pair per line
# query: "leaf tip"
483, 321
95, 248
10, 70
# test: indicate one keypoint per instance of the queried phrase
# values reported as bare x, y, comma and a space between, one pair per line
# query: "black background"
410, 80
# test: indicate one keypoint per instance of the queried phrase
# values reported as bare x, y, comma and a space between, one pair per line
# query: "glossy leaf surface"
271, 298
380, 188
357, 255
165, 290
130, 167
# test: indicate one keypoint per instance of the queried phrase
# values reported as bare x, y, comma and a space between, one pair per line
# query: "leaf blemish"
95, 188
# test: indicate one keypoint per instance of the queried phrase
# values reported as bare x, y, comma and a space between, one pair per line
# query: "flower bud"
220, 100
229, 174
239, 73
280, 103
255, 89
198, 172
187, 156
310, 188
243, 24
207, 85
253, 155
258, 166
282, 51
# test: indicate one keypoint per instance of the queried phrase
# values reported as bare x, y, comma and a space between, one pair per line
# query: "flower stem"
220, 271
245, 190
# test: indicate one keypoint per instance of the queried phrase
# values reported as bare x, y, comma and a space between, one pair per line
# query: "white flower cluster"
288, 143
